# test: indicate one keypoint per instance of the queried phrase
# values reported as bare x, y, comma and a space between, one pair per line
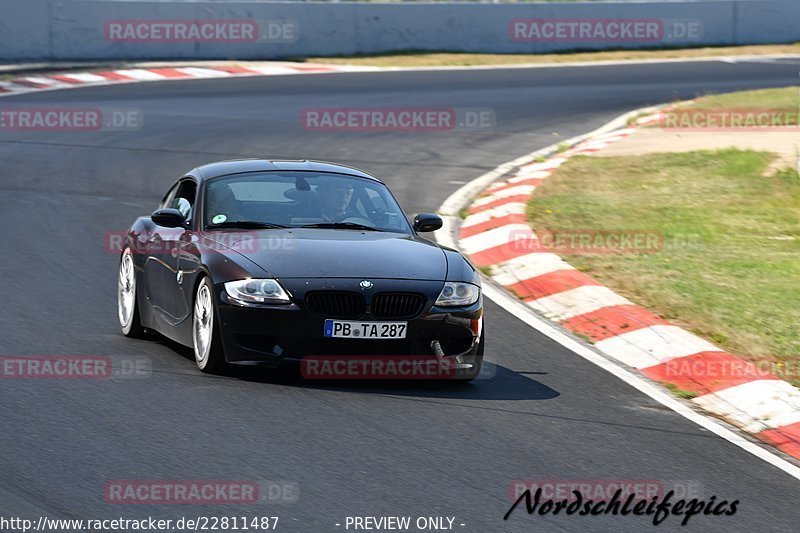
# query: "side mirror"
427, 222
168, 218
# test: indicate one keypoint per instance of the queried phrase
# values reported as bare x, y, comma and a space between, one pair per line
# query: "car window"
298, 198
169, 197
261, 191
183, 206
184, 198
375, 199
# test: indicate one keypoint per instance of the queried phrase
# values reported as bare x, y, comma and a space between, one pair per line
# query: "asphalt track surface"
352, 449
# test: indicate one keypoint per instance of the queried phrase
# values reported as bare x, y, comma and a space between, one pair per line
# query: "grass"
421, 58
729, 268
486, 271
681, 393
781, 98
785, 100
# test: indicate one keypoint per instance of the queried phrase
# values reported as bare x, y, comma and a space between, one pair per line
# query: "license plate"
364, 330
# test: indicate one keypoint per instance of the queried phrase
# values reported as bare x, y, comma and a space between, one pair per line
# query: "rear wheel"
127, 304
205, 335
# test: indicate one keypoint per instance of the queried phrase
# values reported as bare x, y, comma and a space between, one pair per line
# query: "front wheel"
205, 335
127, 304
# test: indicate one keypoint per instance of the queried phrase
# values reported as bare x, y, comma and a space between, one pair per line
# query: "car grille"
333, 304
397, 305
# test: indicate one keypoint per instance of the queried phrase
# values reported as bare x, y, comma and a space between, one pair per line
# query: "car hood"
334, 253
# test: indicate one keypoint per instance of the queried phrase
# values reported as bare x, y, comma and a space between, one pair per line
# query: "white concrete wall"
74, 29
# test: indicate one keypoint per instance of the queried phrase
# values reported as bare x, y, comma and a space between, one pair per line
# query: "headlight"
256, 291
458, 294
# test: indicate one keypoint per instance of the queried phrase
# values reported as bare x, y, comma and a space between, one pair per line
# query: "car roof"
236, 166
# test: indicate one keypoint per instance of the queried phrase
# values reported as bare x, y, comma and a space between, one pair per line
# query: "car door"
185, 255
156, 265
163, 249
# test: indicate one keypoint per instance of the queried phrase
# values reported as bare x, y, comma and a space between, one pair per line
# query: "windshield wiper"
340, 225
246, 224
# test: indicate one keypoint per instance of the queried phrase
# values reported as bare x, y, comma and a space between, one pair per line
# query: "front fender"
460, 269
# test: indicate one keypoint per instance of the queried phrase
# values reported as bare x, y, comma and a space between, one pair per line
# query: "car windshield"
301, 199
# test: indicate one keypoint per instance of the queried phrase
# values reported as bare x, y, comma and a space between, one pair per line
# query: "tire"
206, 344
127, 298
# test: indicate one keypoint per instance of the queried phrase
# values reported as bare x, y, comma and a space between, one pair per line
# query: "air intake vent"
332, 304
397, 305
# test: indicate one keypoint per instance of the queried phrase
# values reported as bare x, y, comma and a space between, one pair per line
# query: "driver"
222, 204
335, 200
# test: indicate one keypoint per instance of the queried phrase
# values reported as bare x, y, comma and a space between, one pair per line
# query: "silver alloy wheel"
126, 291
203, 325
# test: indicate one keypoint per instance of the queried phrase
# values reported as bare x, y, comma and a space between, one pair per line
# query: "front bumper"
272, 335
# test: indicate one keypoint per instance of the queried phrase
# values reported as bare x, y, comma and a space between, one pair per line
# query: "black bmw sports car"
258, 262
